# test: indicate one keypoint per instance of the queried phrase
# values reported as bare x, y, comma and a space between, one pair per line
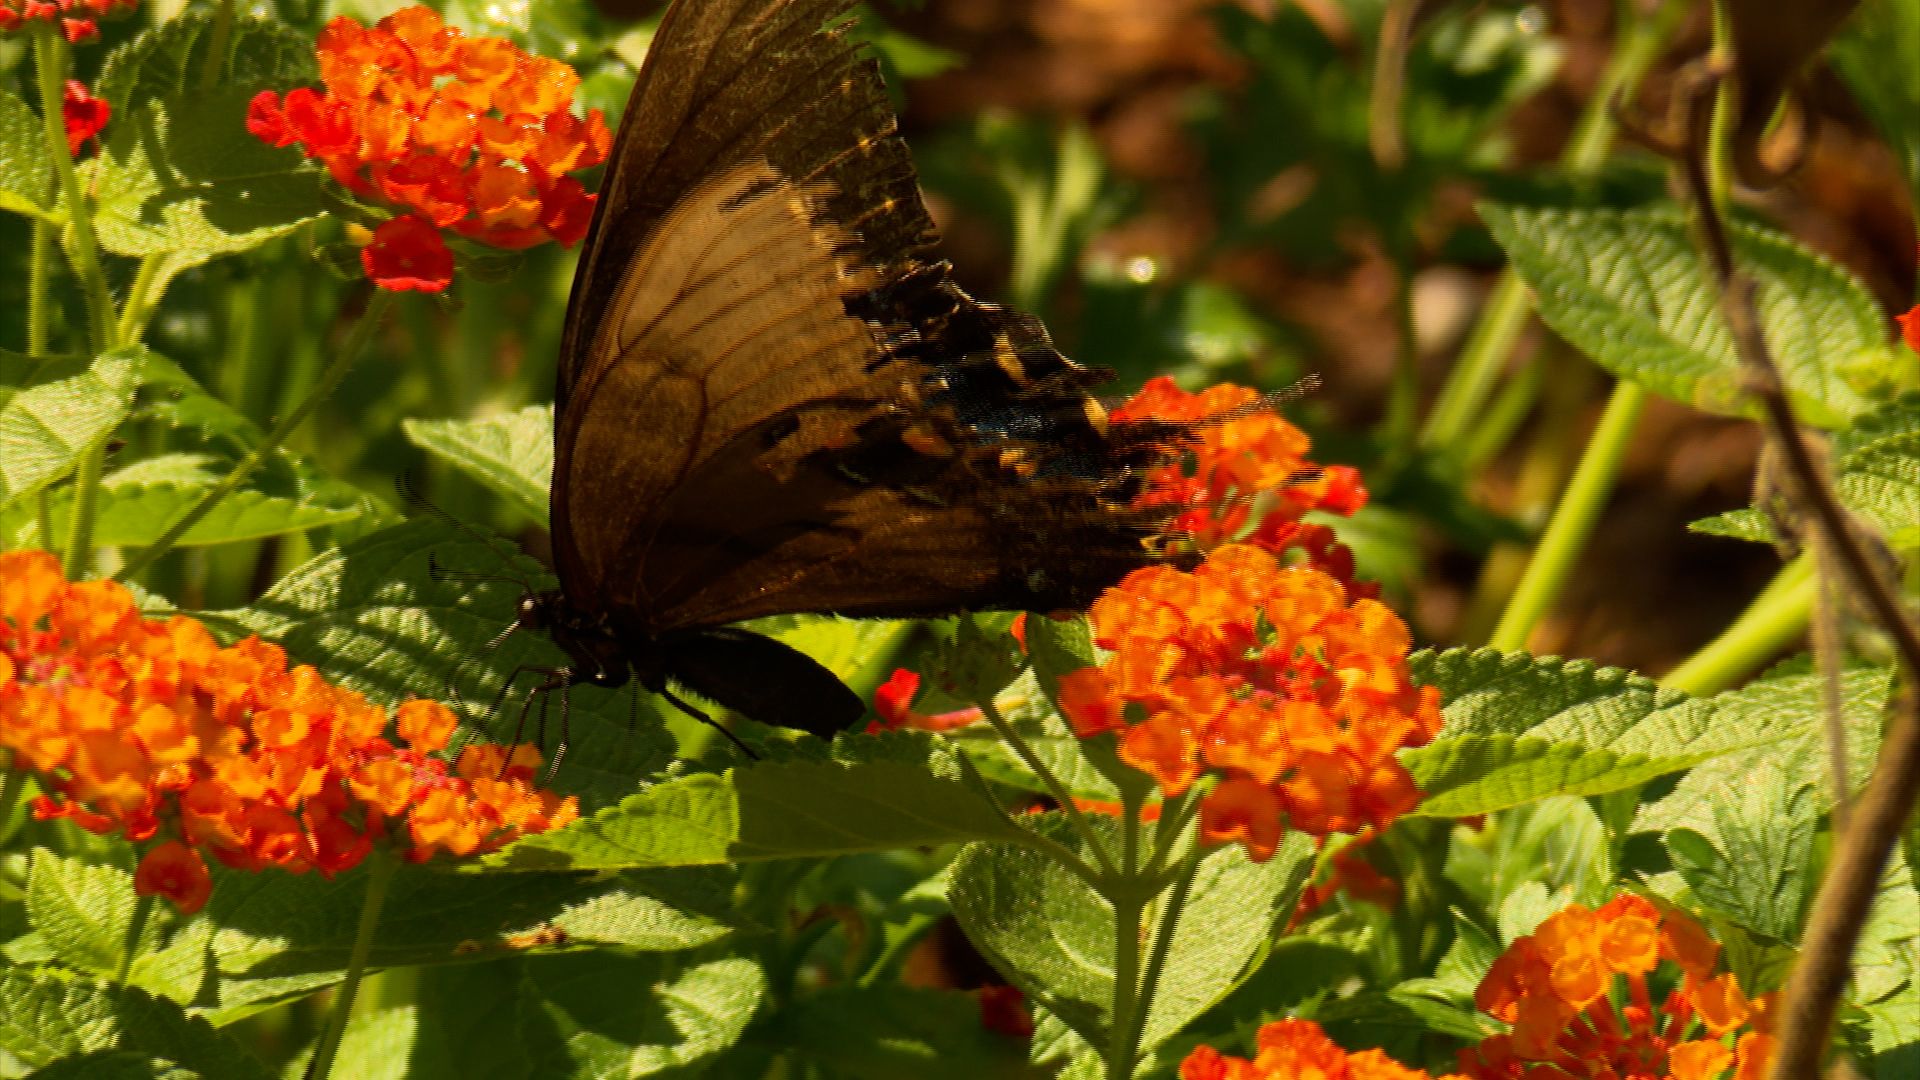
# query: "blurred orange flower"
1244, 476
148, 728
1577, 996
466, 133
1297, 1050
1275, 678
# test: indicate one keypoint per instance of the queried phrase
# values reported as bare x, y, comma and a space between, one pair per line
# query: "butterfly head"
596, 653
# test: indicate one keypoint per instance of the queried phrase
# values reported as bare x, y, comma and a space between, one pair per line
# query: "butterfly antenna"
707, 720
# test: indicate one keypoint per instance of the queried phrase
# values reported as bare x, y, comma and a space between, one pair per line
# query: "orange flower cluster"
1576, 992
1297, 1050
1294, 691
463, 133
1245, 475
147, 727
78, 19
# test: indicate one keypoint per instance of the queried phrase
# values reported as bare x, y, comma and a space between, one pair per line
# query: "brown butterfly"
772, 399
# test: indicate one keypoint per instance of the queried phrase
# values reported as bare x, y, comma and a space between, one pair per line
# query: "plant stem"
83, 246
1054, 787
12, 783
78, 560
329, 381
1573, 519
136, 929
380, 868
1163, 944
39, 299
1638, 43
139, 305
1128, 907
1776, 617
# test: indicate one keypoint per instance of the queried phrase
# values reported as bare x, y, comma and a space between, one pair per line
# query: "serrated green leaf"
180, 178
888, 1032
1520, 728
635, 1016
1876, 463
137, 502
1786, 709
1237, 907
81, 912
1758, 868
511, 454
1632, 292
62, 410
371, 615
882, 793
271, 928
51, 1015
169, 60
1047, 931
26, 174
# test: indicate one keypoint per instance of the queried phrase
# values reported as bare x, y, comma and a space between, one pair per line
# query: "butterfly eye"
532, 613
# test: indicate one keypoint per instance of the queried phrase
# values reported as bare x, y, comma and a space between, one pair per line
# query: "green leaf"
1876, 475
62, 410
1047, 931
371, 615
137, 502
51, 1015
1520, 728
81, 912
888, 1032
1793, 756
1631, 291
1236, 909
276, 930
1759, 867
900, 790
181, 177
511, 454
591, 1014
26, 174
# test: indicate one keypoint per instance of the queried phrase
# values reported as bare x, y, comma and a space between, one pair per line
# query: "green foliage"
1632, 292
59, 412
511, 455
26, 176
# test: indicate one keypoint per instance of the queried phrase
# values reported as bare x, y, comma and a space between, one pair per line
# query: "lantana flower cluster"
1580, 995
1244, 476
148, 728
1276, 679
78, 20
1294, 1050
464, 133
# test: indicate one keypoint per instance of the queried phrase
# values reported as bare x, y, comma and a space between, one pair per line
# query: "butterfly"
773, 399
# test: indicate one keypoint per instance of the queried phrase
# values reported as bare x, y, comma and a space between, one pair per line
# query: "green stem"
329, 381
215, 63
380, 868
12, 783
39, 290
83, 246
1775, 618
137, 928
1054, 787
1175, 814
1458, 409
1162, 945
1573, 519
1128, 908
140, 304
78, 560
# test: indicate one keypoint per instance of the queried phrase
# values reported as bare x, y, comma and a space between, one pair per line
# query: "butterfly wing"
778, 405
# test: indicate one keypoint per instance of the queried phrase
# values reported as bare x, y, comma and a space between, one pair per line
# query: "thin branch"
1846, 895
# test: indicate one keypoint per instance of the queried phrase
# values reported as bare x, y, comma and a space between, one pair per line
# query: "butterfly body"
771, 400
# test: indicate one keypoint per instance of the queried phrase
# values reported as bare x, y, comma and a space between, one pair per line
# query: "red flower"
177, 872
1910, 327
407, 254
84, 115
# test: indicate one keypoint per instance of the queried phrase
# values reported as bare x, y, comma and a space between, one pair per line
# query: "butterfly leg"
684, 707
